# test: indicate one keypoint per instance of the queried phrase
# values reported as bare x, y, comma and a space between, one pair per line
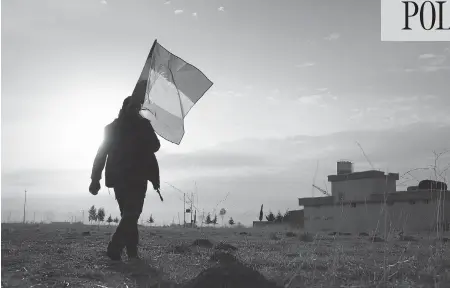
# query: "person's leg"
117, 243
134, 210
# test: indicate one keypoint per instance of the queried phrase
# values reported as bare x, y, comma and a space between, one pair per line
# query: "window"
353, 205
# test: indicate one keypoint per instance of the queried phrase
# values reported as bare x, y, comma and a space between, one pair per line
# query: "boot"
113, 252
132, 252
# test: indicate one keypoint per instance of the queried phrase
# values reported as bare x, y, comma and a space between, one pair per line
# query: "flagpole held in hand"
160, 197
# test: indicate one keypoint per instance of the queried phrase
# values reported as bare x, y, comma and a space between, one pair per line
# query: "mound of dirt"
407, 238
232, 274
377, 239
223, 258
290, 234
180, 249
225, 246
205, 243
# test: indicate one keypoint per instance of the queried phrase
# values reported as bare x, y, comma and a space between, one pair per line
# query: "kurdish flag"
168, 88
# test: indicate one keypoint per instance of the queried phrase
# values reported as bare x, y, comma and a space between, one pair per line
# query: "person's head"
129, 106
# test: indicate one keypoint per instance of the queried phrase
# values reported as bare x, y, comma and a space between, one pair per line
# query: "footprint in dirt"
141, 271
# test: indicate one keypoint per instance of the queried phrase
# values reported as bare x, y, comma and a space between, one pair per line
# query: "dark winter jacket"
128, 149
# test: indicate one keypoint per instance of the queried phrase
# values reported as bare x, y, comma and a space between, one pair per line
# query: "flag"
167, 89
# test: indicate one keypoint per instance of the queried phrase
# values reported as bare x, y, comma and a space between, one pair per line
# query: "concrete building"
368, 201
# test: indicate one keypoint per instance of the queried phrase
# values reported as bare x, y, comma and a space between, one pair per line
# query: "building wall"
405, 216
360, 189
270, 224
295, 218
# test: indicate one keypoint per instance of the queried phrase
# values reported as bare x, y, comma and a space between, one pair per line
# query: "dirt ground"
65, 255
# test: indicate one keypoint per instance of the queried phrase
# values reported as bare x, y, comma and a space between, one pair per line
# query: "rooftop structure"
357, 199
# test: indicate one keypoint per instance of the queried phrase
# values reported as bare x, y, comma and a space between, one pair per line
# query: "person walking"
128, 149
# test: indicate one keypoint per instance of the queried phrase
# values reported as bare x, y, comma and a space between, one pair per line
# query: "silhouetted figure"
128, 150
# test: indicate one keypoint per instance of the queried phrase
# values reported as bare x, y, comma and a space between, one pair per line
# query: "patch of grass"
290, 234
31, 257
274, 236
306, 237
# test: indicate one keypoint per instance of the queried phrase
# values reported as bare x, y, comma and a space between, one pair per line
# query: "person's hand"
94, 187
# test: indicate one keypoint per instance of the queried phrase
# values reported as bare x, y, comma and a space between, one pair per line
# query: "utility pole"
184, 209
192, 199
24, 205
203, 217
83, 215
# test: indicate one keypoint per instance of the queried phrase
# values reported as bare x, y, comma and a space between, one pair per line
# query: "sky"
294, 82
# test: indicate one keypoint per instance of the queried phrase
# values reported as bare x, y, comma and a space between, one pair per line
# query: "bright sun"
83, 136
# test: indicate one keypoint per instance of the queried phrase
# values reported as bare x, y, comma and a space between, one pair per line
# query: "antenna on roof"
364, 153
314, 179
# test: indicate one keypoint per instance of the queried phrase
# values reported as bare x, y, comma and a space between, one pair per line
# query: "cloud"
400, 100
167, 2
211, 159
221, 8
311, 99
290, 159
194, 14
104, 2
231, 93
304, 65
261, 171
177, 12
275, 92
429, 63
333, 36
358, 113
426, 56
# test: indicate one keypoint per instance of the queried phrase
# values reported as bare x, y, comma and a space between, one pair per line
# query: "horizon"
288, 93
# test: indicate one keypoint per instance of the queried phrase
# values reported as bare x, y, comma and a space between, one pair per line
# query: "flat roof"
362, 175
400, 196
316, 201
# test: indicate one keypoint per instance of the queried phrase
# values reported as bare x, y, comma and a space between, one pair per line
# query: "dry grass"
50, 256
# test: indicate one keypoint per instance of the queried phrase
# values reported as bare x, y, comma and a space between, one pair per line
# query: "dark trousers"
130, 196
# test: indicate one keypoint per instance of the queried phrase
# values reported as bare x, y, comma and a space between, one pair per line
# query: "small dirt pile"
230, 273
205, 243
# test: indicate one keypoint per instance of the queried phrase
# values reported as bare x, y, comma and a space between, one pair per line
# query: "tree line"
99, 216
272, 217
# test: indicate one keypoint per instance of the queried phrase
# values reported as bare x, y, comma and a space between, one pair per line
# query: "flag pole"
141, 85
